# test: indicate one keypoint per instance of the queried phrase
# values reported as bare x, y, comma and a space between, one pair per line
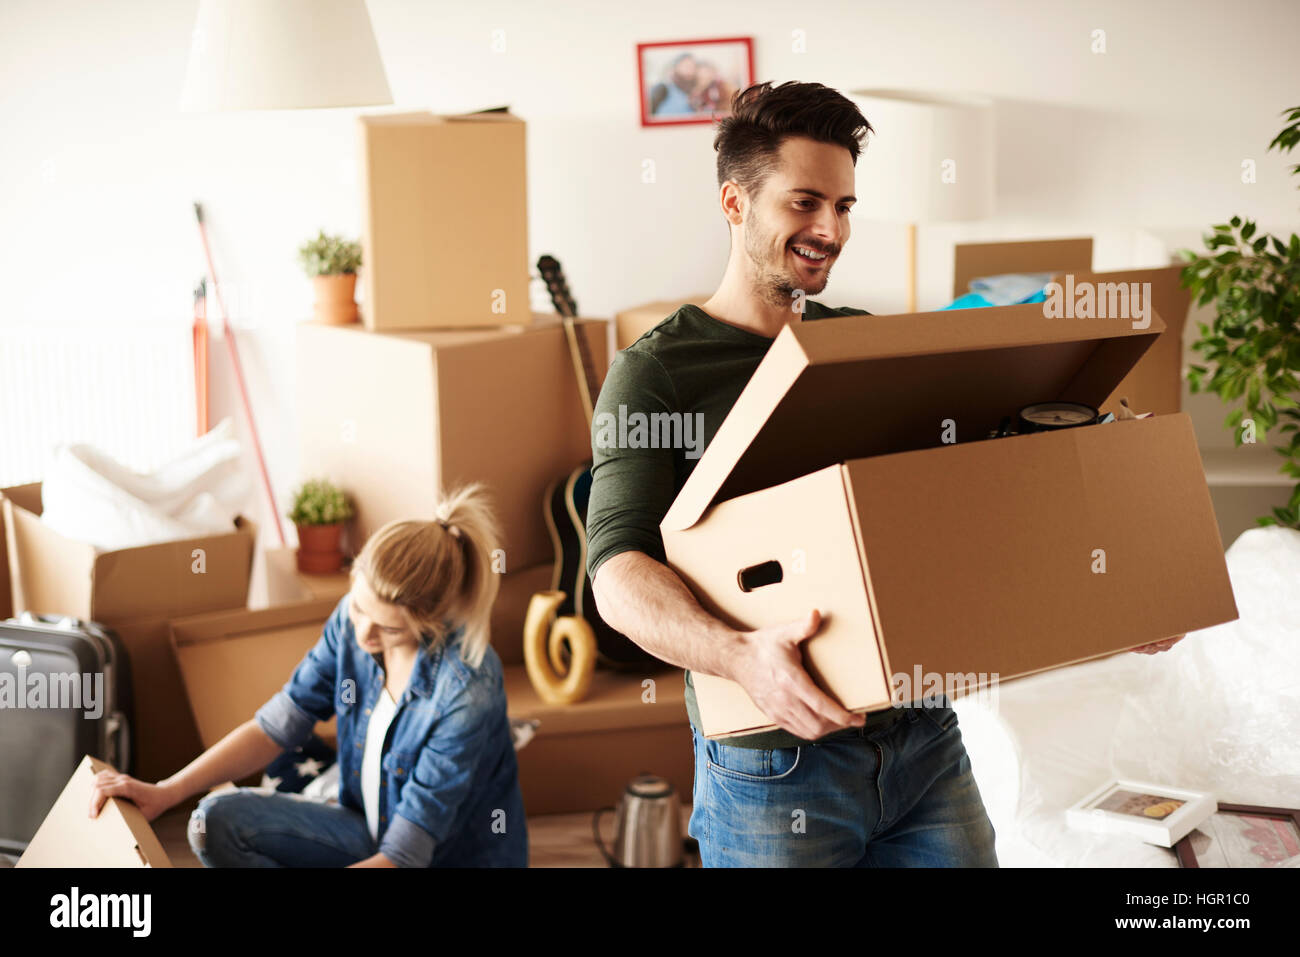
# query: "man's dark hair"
763, 117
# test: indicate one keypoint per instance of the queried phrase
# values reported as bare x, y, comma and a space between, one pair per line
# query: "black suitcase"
54, 710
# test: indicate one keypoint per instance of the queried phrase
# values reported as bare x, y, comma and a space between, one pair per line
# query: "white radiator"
128, 389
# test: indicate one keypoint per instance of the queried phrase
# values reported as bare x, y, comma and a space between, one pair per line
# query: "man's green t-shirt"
690, 363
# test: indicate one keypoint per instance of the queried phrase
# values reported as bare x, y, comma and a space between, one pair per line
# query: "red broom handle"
201, 358
239, 375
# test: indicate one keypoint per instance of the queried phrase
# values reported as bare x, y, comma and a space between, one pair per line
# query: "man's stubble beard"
777, 286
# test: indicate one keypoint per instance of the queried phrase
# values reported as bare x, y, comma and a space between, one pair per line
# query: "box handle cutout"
756, 576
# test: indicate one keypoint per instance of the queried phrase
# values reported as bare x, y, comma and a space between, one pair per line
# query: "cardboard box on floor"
390, 417
133, 591
233, 662
583, 755
997, 557
1154, 384
69, 837
631, 324
445, 220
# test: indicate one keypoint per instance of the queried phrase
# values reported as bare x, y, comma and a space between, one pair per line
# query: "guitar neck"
583, 368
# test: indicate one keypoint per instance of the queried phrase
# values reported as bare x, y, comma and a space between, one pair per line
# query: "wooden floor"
554, 840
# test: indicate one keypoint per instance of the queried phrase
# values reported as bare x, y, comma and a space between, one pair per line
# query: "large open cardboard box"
390, 417
233, 662
70, 837
445, 236
51, 574
982, 557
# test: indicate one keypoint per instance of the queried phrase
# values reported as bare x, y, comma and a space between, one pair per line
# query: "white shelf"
1248, 465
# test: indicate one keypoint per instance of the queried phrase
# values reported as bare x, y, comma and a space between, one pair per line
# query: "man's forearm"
646, 601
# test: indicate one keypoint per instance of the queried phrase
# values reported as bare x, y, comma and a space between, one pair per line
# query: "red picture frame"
733, 69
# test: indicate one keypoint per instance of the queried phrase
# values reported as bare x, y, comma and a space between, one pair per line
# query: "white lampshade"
283, 55
930, 159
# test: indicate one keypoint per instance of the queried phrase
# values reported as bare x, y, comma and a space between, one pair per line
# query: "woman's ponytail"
467, 518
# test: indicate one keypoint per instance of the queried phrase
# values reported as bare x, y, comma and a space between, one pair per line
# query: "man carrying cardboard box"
829, 787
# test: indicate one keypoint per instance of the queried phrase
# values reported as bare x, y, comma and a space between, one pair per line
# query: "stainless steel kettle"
648, 826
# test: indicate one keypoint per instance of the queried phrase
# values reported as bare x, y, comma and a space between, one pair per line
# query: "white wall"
98, 170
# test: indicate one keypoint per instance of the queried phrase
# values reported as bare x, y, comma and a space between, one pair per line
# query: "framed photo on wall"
1244, 835
692, 81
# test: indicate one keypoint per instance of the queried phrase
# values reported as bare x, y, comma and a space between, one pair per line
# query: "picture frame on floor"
1243, 835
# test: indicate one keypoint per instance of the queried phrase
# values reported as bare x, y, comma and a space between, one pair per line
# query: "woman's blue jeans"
249, 827
896, 796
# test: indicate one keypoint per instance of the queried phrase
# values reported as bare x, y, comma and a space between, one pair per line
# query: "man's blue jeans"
896, 796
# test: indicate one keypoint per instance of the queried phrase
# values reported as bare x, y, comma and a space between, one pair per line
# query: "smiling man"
829, 788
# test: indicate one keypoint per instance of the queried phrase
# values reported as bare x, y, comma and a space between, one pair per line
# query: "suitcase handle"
119, 730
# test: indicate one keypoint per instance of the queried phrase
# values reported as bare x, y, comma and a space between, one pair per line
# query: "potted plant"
319, 511
332, 263
1253, 349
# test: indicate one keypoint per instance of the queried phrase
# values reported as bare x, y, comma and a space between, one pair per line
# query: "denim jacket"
449, 792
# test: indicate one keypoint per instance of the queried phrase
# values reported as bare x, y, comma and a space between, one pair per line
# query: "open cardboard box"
51, 574
233, 662
829, 486
70, 837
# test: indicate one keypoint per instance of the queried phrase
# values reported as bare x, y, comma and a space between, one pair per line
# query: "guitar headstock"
557, 286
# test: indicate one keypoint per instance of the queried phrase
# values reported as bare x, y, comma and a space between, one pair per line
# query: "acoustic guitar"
565, 505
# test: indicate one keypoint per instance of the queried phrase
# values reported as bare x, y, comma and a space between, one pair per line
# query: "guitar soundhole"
756, 576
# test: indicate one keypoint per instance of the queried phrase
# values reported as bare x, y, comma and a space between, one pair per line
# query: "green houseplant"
319, 511
332, 263
1252, 351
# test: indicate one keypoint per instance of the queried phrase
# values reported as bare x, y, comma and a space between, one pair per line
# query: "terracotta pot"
336, 298
318, 548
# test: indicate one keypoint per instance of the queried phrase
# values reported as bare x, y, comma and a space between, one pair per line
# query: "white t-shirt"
372, 758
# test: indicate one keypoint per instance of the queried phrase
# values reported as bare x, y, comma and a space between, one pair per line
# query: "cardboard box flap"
858, 386
226, 561
69, 837
494, 114
424, 117
233, 662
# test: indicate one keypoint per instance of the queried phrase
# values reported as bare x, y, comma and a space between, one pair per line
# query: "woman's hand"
151, 799
1157, 646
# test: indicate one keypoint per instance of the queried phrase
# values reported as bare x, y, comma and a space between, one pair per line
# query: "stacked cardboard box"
453, 379
394, 418
445, 230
